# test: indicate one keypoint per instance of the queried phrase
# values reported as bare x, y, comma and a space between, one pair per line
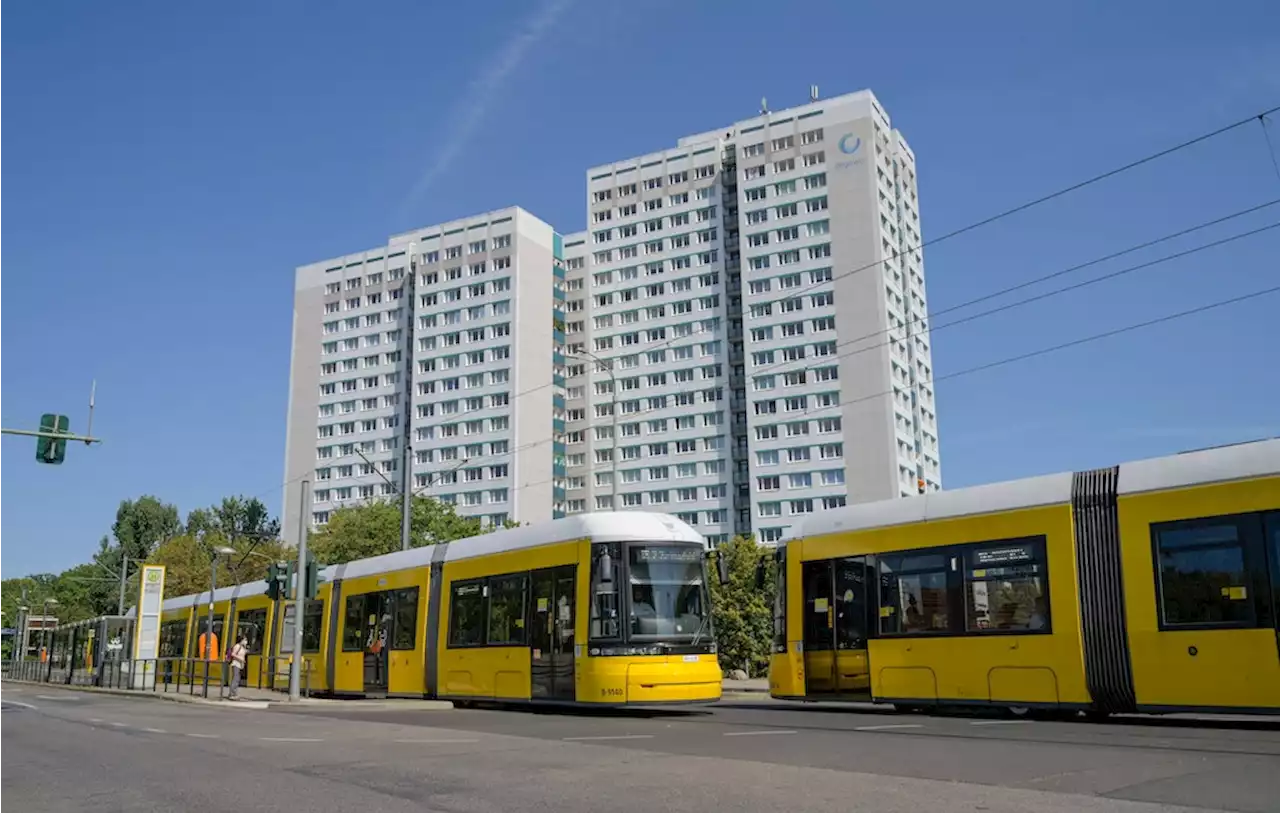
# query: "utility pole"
124, 574
406, 480
299, 599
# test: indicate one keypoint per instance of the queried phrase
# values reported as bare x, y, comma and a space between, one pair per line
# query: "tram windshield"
667, 593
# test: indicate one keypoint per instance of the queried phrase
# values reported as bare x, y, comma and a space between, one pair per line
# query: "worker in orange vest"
213, 651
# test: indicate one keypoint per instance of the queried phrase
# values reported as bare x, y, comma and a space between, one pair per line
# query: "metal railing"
194, 675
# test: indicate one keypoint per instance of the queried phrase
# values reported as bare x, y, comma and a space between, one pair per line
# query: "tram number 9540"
612, 693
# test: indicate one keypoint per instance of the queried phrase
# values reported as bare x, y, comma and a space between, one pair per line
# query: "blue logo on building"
848, 149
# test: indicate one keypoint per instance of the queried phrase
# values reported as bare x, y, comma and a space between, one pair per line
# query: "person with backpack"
236, 656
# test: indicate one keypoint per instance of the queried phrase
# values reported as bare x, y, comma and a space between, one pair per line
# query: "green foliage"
373, 529
147, 529
188, 562
743, 612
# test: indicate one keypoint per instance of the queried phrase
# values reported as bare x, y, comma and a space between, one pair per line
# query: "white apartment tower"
757, 294
739, 338
453, 332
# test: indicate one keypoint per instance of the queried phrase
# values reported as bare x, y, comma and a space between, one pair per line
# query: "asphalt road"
72, 751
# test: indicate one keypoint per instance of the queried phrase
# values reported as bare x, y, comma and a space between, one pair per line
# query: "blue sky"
169, 165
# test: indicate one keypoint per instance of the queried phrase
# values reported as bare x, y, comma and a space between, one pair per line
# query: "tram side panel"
1202, 589
487, 617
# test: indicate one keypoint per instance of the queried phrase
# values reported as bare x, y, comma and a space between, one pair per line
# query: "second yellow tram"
1151, 586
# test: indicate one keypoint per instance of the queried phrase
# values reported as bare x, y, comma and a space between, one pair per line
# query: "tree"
143, 524
372, 529
188, 562
233, 518
741, 611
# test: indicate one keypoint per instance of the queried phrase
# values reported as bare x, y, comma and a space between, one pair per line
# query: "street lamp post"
24, 617
45, 648
607, 364
208, 628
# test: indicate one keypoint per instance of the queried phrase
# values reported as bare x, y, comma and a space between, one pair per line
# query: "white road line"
95, 719
754, 733
21, 704
887, 727
204, 736
999, 722
289, 739
120, 725
433, 742
56, 697
155, 731
610, 737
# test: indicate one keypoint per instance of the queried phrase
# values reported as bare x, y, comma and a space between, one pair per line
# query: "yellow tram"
1148, 587
606, 608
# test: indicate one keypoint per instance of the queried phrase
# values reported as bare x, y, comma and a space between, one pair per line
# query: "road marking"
887, 727
433, 742
289, 739
20, 704
58, 697
611, 737
155, 731
754, 733
204, 736
999, 722
120, 725
95, 719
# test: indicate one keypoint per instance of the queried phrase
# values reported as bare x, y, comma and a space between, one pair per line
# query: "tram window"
507, 602
1006, 587
353, 626
252, 624
850, 601
172, 636
405, 630
467, 614
915, 597
312, 623
1204, 579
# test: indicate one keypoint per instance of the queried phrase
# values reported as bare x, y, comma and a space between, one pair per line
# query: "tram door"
377, 641
551, 637
837, 620
1272, 544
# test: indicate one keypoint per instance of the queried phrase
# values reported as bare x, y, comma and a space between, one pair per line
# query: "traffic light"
52, 450
273, 582
312, 578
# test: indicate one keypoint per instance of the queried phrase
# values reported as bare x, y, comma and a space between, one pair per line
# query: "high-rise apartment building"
754, 303
452, 333
739, 338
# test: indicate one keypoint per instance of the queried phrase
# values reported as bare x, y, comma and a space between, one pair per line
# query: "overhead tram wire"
1029, 300
1044, 351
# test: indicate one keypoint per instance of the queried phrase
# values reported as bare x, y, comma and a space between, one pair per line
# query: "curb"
258, 705
172, 697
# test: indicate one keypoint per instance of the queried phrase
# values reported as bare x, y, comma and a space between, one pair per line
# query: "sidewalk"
260, 699
751, 686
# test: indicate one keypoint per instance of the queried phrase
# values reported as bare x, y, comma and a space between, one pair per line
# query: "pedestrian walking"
237, 657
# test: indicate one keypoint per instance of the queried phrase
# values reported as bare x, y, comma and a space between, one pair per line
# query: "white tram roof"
1220, 464
622, 526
